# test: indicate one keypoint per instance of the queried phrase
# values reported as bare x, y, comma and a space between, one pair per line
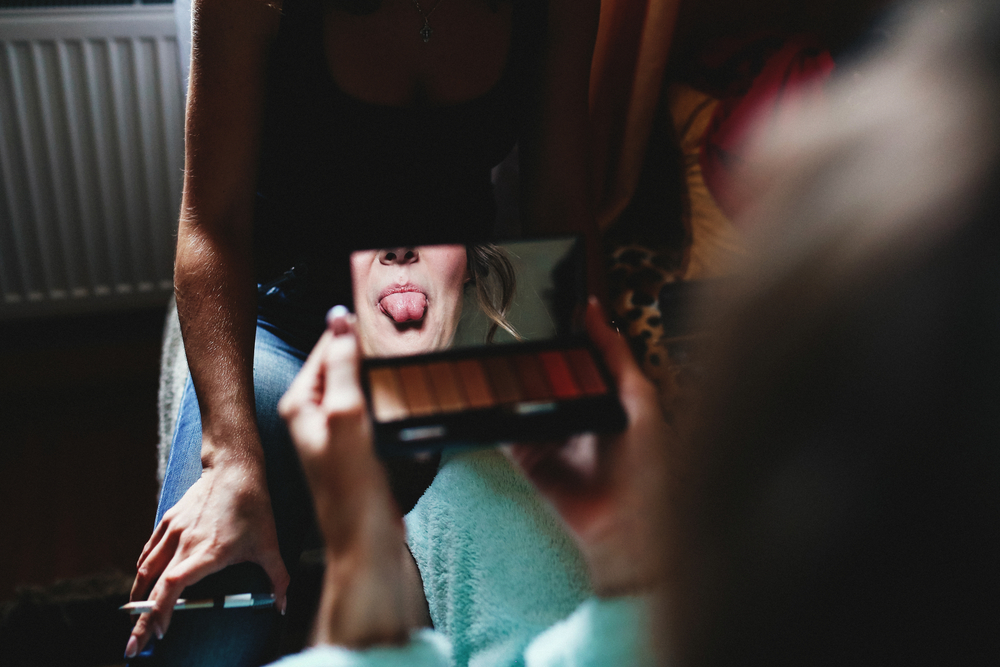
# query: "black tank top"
337, 173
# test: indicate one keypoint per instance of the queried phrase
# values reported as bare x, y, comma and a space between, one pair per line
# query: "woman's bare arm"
226, 516
214, 283
372, 593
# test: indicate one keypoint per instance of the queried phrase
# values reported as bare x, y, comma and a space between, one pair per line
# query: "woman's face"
408, 300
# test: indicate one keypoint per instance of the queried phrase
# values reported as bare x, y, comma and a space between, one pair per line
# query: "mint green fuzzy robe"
504, 583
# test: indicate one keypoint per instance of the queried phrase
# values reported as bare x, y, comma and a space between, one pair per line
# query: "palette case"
545, 382
515, 392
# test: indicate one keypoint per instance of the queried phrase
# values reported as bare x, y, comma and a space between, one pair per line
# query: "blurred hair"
495, 282
842, 498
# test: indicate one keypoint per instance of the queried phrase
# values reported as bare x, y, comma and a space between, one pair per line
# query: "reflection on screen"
416, 299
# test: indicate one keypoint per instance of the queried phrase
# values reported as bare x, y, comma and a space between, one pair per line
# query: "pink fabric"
798, 67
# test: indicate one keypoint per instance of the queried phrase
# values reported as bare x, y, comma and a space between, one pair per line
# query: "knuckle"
144, 623
172, 579
346, 412
219, 549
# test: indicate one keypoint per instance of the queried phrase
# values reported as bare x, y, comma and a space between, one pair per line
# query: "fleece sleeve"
498, 567
600, 632
426, 648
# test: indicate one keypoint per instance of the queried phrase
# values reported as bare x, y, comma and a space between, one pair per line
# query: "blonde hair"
495, 283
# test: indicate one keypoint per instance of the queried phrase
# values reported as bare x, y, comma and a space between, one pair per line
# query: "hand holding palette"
478, 345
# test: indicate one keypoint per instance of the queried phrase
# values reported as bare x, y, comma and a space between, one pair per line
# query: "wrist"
367, 597
362, 520
622, 559
242, 476
235, 450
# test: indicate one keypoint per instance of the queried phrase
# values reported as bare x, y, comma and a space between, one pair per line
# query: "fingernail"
284, 605
132, 647
337, 312
158, 630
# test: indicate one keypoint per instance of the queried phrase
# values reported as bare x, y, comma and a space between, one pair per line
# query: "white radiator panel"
91, 157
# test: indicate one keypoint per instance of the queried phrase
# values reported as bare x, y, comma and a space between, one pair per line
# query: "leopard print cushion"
670, 239
647, 293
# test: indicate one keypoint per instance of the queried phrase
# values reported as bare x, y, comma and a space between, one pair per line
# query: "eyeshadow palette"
515, 392
478, 345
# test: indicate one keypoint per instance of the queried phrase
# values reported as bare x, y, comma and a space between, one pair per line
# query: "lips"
403, 303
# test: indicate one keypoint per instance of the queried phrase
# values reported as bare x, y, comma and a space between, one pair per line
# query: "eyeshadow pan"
450, 397
503, 379
388, 402
417, 390
559, 375
473, 379
532, 376
585, 370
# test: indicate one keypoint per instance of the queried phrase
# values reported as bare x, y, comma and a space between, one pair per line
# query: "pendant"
426, 31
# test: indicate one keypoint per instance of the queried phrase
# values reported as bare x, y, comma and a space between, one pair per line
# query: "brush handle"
227, 602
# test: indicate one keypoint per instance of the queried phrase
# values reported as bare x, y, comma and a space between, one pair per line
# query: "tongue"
404, 306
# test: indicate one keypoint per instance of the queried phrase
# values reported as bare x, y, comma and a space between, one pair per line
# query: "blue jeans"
238, 637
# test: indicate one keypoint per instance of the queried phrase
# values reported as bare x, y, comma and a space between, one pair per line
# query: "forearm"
225, 517
216, 303
372, 593
214, 281
371, 590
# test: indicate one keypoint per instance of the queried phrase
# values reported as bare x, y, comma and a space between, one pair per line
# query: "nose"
388, 256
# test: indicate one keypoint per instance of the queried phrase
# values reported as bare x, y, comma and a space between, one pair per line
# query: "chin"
406, 343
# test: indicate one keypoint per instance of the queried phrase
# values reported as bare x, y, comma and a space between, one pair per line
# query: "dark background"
78, 437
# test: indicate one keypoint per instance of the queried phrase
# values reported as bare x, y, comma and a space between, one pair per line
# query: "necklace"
426, 31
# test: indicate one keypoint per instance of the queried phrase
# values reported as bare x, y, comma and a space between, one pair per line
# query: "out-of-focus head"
408, 300
842, 504
894, 140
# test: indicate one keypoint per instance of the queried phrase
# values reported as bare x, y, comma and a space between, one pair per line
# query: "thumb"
612, 346
341, 369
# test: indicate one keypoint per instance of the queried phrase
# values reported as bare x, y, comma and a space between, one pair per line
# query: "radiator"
91, 158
